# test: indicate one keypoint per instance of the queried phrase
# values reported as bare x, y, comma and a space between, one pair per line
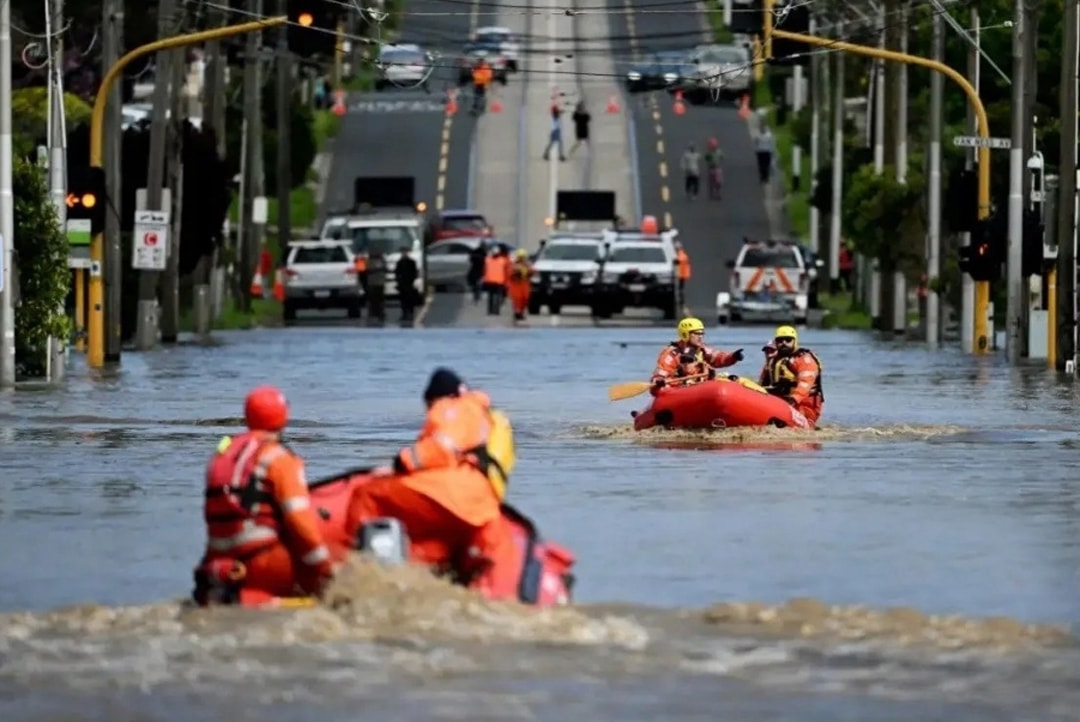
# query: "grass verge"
843, 312
264, 313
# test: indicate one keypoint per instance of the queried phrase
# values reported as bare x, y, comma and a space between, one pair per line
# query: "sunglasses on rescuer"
785, 340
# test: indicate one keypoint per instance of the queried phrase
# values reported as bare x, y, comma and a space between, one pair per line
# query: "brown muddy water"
916, 559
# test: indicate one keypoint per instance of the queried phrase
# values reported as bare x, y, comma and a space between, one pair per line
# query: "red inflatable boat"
536, 571
717, 404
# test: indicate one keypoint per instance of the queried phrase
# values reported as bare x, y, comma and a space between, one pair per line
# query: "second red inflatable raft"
717, 404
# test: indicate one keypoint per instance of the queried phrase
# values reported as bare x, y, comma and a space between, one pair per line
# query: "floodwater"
917, 559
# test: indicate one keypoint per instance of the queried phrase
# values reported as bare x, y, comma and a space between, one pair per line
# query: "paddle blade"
618, 392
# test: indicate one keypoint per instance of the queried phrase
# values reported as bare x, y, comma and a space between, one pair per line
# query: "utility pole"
57, 153
967, 285
1066, 206
112, 39
838, 165
891, 147
1013, 279
209, 284
933, 254
899, 282
284, 145
147, 332
249, 235
169, 282
7, 210
817, 87
874, 291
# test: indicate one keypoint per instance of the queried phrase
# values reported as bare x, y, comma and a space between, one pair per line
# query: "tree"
41, 251
29, 116
884, 219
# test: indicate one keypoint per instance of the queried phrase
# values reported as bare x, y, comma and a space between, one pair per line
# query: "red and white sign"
151, 246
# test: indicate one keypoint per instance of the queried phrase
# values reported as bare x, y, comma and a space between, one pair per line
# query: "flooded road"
941, 491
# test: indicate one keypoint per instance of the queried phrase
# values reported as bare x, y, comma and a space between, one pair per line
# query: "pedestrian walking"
555, 135
691, 168
765, 148
582, 118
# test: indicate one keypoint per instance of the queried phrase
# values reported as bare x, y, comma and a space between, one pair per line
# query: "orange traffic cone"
496, 106
279, 286
612, 105
339, 103
744, 106
451, 102
680, 106
257, 289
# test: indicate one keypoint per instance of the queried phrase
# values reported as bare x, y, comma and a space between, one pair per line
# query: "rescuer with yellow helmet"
793, 373
689, 356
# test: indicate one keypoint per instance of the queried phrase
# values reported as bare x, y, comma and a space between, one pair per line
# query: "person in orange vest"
682, 260
495, 278
482, 75
436, 487
262, 533
519, 286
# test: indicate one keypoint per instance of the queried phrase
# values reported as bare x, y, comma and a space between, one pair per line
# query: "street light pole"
7, 210
1013, 277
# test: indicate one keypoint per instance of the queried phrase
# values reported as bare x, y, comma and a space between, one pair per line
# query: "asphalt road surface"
407, 131
711, 231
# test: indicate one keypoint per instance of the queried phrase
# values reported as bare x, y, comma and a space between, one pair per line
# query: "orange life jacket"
242, 517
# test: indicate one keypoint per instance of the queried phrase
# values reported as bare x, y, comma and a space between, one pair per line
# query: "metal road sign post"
150, 240
974, 141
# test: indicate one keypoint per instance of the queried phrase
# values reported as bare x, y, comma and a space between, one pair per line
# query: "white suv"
638, 274
321, 275
769, 283
565, 273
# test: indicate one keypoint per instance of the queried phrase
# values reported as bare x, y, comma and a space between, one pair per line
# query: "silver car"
403, 66
725, 69
448, 261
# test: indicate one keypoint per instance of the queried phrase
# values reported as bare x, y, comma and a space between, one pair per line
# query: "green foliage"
301, 127
41, 251
884, 218
29, 118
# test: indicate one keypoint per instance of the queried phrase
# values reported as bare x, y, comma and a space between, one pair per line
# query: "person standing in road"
476, 270
682, 259
582, 118
495, 278
376, 283
691, 168
405, 274
481, 78
555, 136
765, 147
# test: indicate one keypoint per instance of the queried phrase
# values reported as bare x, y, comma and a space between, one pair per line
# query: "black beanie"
444, 382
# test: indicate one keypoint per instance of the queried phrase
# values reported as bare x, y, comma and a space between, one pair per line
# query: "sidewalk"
775, 196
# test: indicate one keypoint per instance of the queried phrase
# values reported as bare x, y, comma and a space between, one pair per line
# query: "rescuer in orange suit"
682, 258
793, 373
496, 276
435, 487
519, 286
689, 356
262, 532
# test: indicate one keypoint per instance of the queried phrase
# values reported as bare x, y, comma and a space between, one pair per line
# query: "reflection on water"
938, 493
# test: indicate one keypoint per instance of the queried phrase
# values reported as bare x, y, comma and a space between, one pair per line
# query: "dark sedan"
660, 70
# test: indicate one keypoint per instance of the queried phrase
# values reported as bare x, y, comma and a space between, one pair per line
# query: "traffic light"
747, 17
86, 196
982, 259
1031, 261
312, 28
792, 18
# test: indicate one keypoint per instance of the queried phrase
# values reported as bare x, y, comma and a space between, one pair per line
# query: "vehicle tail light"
290, 273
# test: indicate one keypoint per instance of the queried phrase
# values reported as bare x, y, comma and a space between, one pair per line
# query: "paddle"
326, 481
630, 389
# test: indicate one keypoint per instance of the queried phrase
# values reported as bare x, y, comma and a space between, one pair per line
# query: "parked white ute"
321, 275
769, 283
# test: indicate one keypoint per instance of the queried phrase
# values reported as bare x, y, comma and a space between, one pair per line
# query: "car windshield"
638, 254
770, 258
464, 223
570, 252
670, 57
402, 56
384, 239
320, 254
493, 37
723, 55
477, 48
